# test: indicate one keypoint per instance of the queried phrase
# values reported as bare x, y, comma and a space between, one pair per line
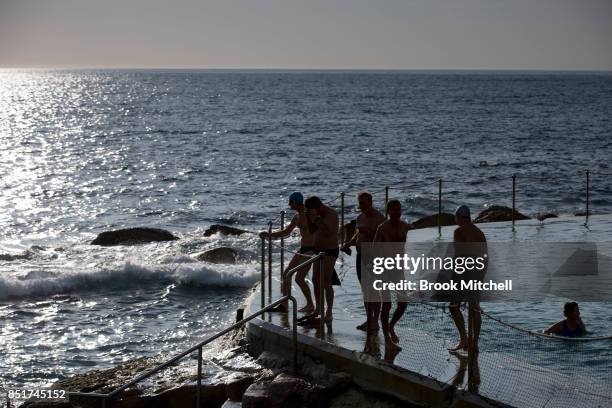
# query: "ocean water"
89, 151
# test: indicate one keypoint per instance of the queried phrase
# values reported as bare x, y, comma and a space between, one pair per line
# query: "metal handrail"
107, 397
319, 257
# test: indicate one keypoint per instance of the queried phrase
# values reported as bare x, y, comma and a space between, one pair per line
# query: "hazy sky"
413, 34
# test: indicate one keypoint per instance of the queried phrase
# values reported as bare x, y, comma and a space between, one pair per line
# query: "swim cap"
296, 197
463, 211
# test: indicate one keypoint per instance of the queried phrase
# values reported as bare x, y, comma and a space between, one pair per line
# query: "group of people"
318, 225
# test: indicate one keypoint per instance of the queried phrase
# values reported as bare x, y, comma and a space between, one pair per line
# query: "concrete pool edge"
368, 372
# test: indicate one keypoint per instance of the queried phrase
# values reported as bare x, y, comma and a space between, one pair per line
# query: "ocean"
89, 151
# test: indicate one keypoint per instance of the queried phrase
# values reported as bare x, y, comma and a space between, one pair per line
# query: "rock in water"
225, 255
289, 391
497, 213
432, 221
256, 396
131, 236
223, 229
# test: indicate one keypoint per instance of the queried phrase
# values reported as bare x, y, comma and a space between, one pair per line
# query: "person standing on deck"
467, 232
392, 230
367, 224
323, 224
296, 203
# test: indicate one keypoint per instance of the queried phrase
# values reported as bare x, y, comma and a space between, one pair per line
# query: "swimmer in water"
572, 326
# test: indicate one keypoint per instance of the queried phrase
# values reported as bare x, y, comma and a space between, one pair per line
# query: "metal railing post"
343, 233
199, 391
108, 397
262, 283
294, 335
270, 260
586, 221
322, 295
513, 199
386, 201
440, 207
282, 249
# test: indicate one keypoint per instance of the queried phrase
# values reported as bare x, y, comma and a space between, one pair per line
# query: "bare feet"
308, 309
389, 344
373, 327
460, 346
363, 326
393, 336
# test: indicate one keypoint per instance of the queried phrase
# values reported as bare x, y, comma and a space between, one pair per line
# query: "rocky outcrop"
130, 236
225, 255
224, 230
498, 213
543, 216
15, 257
432, 221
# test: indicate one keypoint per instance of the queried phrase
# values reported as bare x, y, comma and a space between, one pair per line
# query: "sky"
304, 34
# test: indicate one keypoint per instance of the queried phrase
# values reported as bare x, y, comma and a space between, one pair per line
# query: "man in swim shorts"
467, 232
296, 203
323, 224
392, 230
367, 224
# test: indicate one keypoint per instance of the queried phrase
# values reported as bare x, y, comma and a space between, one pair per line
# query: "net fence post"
439, 208
343, 231
386, 201
513, 199
262, 282
282, 249
586, 220
470, 345
270, 260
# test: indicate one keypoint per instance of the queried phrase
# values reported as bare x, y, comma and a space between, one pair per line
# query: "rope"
290, 251
544, 335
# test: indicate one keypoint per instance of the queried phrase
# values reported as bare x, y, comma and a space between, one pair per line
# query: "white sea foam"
183, 271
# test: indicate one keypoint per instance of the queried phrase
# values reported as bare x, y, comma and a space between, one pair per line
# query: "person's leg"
329, 263
457, 316
397, 315
363, 326
316, 271
300, 279
384, 320
374, 314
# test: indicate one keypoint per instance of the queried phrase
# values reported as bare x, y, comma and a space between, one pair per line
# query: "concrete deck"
424, 373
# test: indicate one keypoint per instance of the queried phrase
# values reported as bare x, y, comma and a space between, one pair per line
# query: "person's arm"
582, 326
353, 241
378, 237
281, 233
555, 328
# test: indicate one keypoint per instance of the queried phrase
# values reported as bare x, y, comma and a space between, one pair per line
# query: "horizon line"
272, 69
